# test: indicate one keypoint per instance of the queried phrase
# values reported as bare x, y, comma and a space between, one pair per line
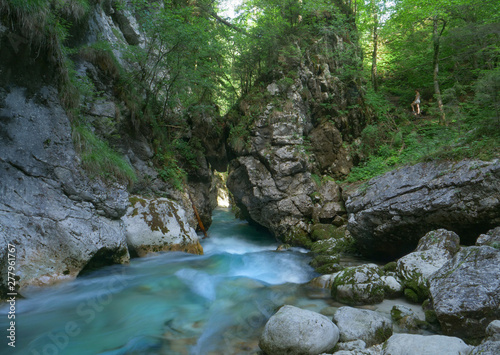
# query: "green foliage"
99, 159
170, 171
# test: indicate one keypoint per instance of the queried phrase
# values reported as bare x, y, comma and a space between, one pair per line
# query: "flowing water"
171, 303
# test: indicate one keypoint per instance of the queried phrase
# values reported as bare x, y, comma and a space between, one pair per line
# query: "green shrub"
99, 159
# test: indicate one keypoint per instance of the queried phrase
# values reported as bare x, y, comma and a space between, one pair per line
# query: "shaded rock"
296, 331
160, 224
359, 285
332, 157
389, 214
406, 319
490, 344
433, 251
492, 238
465, 291
411, 344
362, 324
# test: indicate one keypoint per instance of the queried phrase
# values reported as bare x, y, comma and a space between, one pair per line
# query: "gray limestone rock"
466, 291
153, 225
390, 213
433, 251
359, 285
491, 238
362, 324
61, 222
411, 344
294, 331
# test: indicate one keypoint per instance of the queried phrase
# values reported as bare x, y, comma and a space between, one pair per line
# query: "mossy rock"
359, 285
390, 267
421, 293
410, 295
322, 231
298, 237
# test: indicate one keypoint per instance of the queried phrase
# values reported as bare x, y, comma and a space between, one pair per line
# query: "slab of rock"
390, 213
160, 224
411, 344
433, 251
466, 291
362, 324
294, 331
359, 285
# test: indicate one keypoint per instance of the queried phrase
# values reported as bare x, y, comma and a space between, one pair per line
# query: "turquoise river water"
170, 303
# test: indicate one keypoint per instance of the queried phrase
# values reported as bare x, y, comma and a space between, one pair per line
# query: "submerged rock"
389, 214
294, 331
362, 324
465, 291
160, 224
433, 251
411, 344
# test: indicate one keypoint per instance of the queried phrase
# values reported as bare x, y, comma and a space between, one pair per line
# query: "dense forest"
196, 60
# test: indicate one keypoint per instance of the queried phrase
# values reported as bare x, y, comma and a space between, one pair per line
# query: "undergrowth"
99, 159
399, 138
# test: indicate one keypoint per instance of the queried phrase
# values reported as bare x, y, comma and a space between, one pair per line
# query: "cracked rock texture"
60, 222
389, 214
288, 143
466, 291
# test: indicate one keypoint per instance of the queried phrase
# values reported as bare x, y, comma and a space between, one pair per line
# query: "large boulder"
389, 214
465, 291
294, 331
60, 221
411, 344
362, 324
433, 251
159, 224
359, 285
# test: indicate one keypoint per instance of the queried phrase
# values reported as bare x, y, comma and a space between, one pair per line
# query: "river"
171, 303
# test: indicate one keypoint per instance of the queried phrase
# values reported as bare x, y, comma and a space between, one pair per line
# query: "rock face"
294, 331
158, 225
389, 214
288, 136
465, 291
60, 221
410, 344
433, 251
362, 324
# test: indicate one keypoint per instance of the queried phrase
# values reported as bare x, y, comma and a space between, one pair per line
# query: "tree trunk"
436, 36
374, 53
